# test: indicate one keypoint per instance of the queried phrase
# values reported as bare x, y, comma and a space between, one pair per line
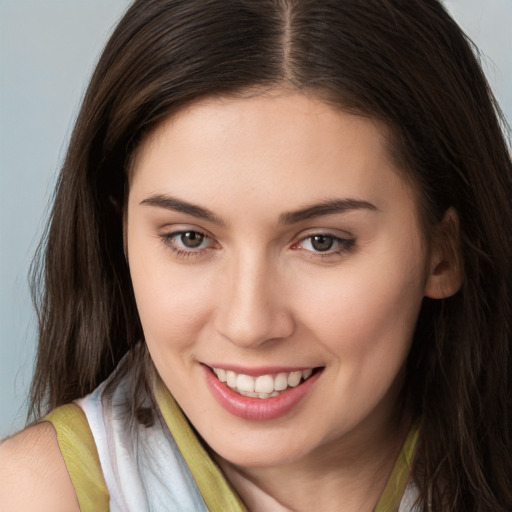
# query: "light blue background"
47, 51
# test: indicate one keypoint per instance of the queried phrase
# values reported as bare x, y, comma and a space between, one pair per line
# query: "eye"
185, 243
190, 239
325, 244
321, 243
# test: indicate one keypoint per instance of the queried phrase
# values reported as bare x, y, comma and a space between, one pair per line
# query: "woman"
286, 225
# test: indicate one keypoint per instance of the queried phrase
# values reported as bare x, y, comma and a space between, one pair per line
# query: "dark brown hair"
403, 62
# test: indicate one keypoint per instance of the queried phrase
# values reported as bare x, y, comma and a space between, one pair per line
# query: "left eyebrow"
329, 207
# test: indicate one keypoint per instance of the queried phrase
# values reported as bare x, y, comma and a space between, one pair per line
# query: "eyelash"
344, 245
169, 241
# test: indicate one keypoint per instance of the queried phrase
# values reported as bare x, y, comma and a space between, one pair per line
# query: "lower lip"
258, 409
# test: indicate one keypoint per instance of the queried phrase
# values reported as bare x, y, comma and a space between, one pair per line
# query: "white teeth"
246, 393
264, 386
245, 383
281, 382
231, 379
221, 374
307, 373
294, 379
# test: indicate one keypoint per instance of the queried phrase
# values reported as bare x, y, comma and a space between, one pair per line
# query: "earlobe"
445, 266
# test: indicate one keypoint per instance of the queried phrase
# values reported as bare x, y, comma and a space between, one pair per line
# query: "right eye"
187, 242
190, 239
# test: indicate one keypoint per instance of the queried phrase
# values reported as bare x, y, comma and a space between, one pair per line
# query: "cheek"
365, 321
368, 309
172, 300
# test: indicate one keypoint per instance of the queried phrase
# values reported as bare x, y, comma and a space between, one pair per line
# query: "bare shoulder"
33, 475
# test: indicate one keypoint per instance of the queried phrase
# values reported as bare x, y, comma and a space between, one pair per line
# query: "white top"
142, 466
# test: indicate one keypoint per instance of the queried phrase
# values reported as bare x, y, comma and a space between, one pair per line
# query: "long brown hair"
403, 62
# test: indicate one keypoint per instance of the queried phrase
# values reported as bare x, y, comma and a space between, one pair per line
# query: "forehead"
278, 148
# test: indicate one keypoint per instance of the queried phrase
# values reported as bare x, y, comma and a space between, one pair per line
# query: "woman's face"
272, 240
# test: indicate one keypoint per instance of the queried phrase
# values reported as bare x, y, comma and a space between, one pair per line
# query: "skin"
257, 292
33, 475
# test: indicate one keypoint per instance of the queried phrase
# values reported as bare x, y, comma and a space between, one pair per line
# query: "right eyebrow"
178, 205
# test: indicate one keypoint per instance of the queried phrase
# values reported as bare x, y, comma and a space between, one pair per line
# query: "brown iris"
322, 242
192, 239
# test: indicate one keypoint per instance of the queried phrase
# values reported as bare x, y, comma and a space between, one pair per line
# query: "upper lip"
256, 371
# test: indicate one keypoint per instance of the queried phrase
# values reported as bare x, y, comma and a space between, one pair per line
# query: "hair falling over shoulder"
404, 63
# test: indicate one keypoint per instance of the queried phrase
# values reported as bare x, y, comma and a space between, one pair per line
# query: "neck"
353, 471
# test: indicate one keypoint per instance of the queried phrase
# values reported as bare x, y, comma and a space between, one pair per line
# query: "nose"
252, 306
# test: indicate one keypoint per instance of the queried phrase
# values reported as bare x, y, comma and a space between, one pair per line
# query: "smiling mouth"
263, 386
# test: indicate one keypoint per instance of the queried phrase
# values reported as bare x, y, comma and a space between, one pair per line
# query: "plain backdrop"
47, 52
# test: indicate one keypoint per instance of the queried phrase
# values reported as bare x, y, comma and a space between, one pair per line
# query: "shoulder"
33, 474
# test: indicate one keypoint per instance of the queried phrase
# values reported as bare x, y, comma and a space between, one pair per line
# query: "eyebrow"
328, 207
178, 205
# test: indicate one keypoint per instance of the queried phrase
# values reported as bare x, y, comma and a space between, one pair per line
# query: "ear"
445, 264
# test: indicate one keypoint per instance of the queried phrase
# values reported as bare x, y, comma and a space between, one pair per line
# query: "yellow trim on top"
78, 449
397, 483
216, 491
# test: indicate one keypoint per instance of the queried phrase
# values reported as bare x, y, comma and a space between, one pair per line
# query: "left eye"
324, 243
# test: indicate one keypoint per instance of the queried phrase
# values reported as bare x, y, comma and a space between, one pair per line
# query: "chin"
260, 452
